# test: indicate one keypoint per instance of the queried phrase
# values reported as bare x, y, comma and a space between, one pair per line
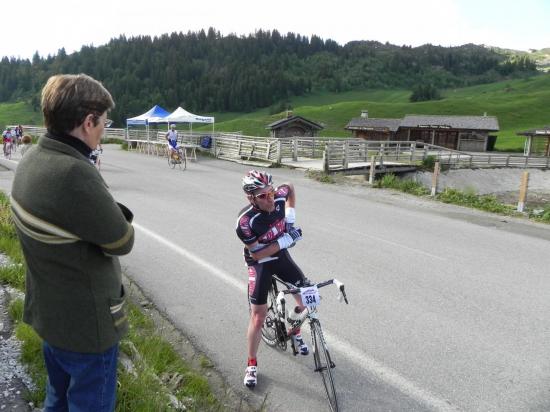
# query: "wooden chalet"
538, 141
466, 133
294, 126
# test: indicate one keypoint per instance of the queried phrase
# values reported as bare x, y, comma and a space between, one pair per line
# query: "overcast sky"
47, 26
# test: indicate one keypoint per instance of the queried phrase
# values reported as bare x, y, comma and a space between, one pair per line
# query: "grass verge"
152, 376
466, 198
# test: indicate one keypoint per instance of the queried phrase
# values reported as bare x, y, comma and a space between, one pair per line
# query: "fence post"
435, 176
523, 191
346, 150
268, 151
372, 170
279, 151
326, 167
526, 161
295, 149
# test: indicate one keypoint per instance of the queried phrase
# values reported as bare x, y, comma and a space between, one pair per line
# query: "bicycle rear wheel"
323, 363
273, 330
171, 162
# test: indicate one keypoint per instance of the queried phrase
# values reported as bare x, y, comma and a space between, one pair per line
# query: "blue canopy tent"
143, 119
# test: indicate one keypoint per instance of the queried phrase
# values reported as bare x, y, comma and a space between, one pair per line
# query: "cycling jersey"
255, 225
172, 137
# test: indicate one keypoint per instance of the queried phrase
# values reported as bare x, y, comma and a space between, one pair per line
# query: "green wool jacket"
71, 231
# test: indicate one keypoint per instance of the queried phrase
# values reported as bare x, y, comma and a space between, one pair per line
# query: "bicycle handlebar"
294, 290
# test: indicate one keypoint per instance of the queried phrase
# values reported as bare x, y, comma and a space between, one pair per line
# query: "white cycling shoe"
250, 378
300, 344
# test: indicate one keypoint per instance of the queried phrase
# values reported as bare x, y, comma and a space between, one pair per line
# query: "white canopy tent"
181, 115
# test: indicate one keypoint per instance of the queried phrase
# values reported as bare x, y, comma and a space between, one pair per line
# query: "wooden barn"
538, 141
466, 133
294, 126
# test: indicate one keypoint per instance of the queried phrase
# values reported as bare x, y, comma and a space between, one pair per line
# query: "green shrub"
391, 181
428, 163
470, 198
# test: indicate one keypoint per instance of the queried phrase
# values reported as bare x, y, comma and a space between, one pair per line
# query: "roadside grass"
153, 377
468, 198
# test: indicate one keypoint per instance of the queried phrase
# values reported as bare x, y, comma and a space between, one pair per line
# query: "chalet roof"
541, 131
283, 122
452, 122
365, 123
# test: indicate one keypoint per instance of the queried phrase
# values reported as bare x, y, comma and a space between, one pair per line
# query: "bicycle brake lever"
341, 290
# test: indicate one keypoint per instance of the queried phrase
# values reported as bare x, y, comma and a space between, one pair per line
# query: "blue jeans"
80, 382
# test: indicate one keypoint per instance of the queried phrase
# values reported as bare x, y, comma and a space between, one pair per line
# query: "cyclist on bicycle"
266, 227
7, 138
172, 138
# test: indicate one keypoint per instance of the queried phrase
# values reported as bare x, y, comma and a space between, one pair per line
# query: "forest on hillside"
207, 72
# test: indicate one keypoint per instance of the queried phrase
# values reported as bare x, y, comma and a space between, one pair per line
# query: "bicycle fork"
321, 340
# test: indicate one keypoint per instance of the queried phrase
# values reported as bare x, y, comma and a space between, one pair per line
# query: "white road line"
412, 249
372, 366
226, 277
388, 375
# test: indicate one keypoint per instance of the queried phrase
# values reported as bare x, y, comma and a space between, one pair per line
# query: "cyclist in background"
172, 138
266, 227
94, 156
7, 139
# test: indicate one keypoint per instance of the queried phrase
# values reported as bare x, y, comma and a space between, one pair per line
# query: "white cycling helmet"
255, 180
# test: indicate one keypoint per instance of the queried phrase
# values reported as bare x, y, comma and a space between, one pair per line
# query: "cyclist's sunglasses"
265, 195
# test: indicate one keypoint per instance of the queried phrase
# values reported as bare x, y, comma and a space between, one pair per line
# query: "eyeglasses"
265, 195
106, 122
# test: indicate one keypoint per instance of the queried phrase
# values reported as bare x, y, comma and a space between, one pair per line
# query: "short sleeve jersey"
255, 225
172, 136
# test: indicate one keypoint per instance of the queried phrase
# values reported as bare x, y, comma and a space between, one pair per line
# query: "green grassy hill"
18, 113
518, 104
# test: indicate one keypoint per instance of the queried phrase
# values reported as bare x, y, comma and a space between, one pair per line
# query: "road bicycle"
177, 158
8, 149
276, 334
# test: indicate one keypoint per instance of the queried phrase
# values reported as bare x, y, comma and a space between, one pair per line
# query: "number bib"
310, 296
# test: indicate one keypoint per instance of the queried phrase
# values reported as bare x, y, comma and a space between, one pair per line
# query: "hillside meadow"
518, 104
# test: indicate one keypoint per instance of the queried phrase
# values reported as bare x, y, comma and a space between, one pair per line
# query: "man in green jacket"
71, 231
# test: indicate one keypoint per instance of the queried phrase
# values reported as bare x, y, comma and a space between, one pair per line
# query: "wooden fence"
336, 153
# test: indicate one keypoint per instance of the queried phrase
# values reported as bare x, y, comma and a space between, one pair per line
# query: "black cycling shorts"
259, 276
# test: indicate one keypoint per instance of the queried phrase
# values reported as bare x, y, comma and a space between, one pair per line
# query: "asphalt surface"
448, 307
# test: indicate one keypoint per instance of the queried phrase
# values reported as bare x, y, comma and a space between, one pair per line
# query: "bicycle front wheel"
323, 363
183, 161
273, 330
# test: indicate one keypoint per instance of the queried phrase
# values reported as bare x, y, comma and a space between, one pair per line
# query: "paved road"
449, 307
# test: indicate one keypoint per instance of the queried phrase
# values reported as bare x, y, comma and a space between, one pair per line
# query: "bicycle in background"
176, 157
276, 334
8, 147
